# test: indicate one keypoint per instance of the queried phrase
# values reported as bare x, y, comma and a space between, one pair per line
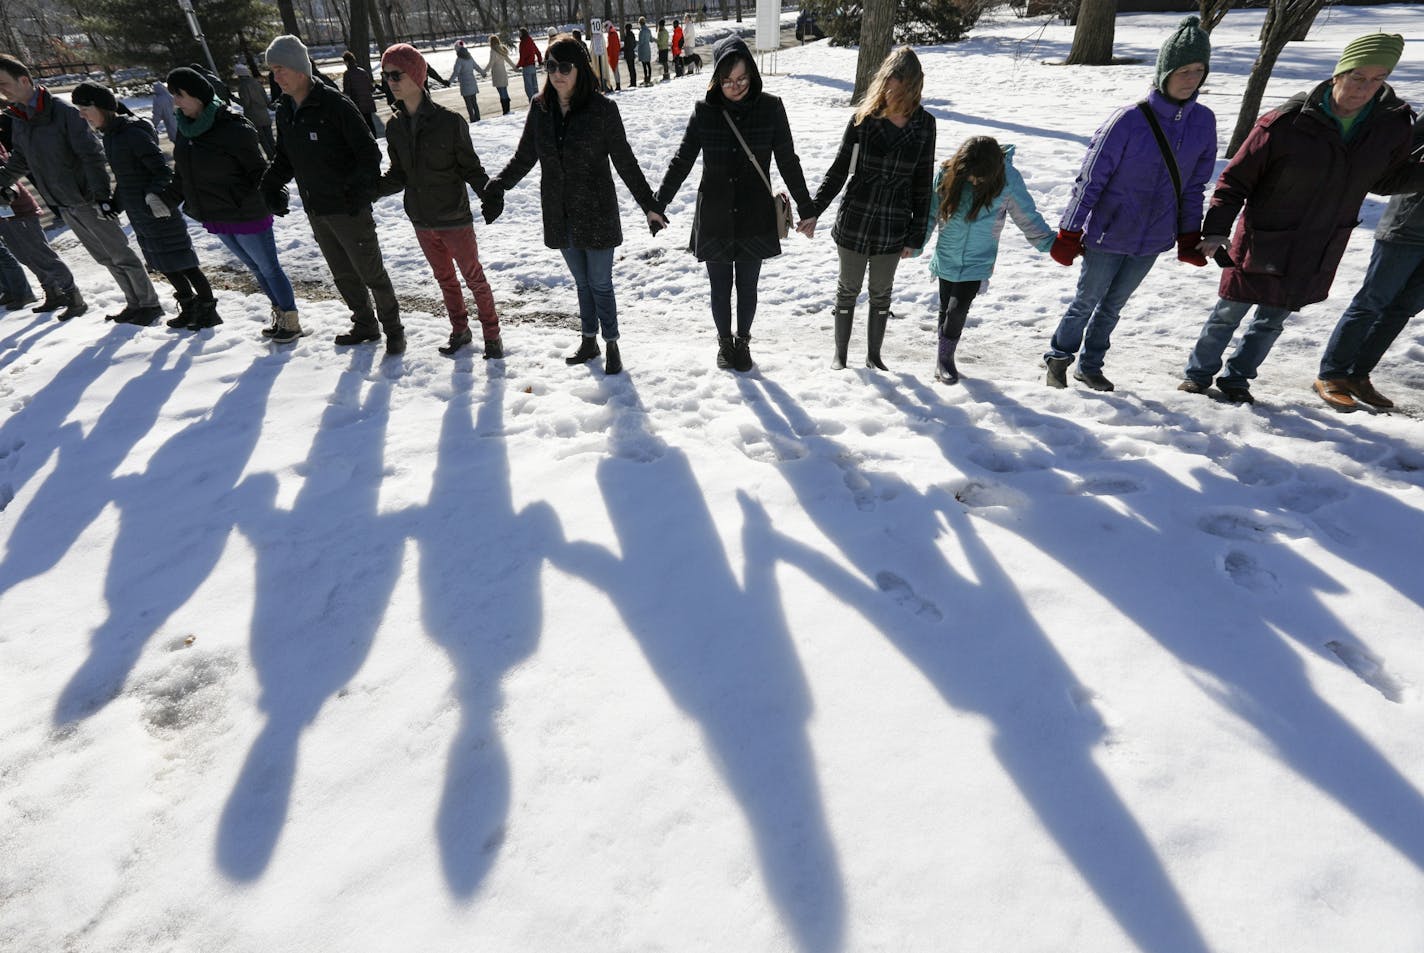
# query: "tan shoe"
1365, 391
1336, 393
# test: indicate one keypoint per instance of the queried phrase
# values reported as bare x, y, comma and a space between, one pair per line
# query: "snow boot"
1093, 379
184, 320
613, 363
288, 328
1057, 371
395, 343
53, 301
725, 352
945, 371
587, 351
73, 304
494, 349
458, 339
742, 354
356, 337
205, 314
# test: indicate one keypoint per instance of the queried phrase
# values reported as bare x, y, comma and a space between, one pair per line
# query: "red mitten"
1067, 246
1187, 251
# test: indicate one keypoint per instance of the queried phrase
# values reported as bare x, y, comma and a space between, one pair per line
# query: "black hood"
730, 46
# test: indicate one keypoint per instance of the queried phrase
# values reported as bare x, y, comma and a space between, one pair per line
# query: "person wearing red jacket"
677, 38
615, 47
530, 59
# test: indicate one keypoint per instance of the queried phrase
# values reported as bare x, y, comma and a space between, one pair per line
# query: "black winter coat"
886, 205
56, 147
1302, 186
1403, 218
329, 148
576, 186
433, 160
140, 168
735, 215
217, 176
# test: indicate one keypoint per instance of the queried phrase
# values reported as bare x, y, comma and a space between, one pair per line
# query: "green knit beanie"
1188, 44
1372, 49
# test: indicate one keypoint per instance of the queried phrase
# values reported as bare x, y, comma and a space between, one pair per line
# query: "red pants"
447, 249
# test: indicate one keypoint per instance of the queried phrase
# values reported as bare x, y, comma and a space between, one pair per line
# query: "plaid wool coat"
886, 205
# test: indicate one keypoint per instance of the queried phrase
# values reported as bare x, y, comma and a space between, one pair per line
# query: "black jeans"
721, 275
955, 297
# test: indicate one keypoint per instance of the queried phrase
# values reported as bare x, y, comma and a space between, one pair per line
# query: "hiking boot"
205, 314
587, 351
613, 363
725, 349
287, 328
395, 343
494, 349
458, 339
73, 304
945, 371
355, 336
276, 324
1336, 393
1094, 380
1057, 371
1235, 393
1365, 391
1190, 386
742, 354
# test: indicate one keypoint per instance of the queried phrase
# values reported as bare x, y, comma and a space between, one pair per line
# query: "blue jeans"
1105, 283
1393, 292
13, 281
531, 81
1261, 332
592, 269
259, 253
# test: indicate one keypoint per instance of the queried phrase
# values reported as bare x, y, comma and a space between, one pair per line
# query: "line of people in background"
1140, 191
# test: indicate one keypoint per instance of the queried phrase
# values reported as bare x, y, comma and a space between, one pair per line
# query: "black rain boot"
725, 355
945, 371
587, 351
613, 362
742, 353
843, 322
874, 337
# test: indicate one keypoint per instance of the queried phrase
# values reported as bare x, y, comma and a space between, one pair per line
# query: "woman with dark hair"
357, 86
738, 128
572, 132
630, 54
888, 153
217, 173
645, 50
141, 176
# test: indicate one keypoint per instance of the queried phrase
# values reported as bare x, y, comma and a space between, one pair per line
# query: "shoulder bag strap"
1167, 156
760, 171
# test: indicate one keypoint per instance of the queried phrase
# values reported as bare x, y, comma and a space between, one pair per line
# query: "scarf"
193, 128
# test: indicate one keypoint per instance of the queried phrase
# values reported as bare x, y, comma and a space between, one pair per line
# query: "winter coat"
663, 40
217, 174
464, 72
677, 41
615, 47
1403, 219
1123, 200
645, 44
884, 206
576, 188
58, 150
630, 45
432, 160
253, 100
967, 249
1302, 186
140, 168
499, 66
327, 146
357, 86
735, 216
529, 54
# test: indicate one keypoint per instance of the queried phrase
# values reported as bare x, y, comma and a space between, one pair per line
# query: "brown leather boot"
1365, 391
1336, 393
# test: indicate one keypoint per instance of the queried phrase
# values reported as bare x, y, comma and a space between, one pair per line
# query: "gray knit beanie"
291, 52
1188, 44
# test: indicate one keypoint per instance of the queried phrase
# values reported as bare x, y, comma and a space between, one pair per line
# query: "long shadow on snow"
172, 532
316, 613
480, 565
80, 486
993, 659
725, 657
15, 344
1196, 613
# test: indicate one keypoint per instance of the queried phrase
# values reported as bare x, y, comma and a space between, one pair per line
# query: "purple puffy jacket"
1122, 199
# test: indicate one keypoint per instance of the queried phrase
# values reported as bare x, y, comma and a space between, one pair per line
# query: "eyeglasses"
552, 67
392, 76
739, 83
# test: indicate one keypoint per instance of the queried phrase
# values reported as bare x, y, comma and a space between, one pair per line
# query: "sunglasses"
392, 76
563, 69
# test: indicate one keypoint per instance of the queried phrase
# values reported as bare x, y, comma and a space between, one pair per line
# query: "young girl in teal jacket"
973, 192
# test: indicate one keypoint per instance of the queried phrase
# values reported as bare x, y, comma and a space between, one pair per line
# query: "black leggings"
720, 276
632, 70
647, 72
190, 282
955, 297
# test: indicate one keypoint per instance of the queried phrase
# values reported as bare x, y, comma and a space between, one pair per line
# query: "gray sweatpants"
25, 238
349, 245
109, 246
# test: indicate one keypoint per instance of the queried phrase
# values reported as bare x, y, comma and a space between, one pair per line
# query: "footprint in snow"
906, 597
1370, 668
1109, 486
1242, 524
1308, 497
1246, 572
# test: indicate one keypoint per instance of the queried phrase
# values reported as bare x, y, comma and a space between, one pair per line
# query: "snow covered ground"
307, 649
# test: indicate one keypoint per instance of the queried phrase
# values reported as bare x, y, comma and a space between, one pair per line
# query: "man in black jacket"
432, 160
324, 143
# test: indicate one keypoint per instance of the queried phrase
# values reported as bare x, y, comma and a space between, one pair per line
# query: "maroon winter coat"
1302, 185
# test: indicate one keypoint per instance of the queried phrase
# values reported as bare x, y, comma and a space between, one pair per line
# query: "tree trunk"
373, 16
1213, 12
877, 32
1284, 19
1093, 37
289, 17
358, 34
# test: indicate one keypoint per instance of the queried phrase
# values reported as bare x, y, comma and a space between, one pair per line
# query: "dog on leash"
691, 63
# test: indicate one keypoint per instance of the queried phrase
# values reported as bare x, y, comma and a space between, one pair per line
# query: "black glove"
654, 226
8, 195
276, 200
493, 202
107, 208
